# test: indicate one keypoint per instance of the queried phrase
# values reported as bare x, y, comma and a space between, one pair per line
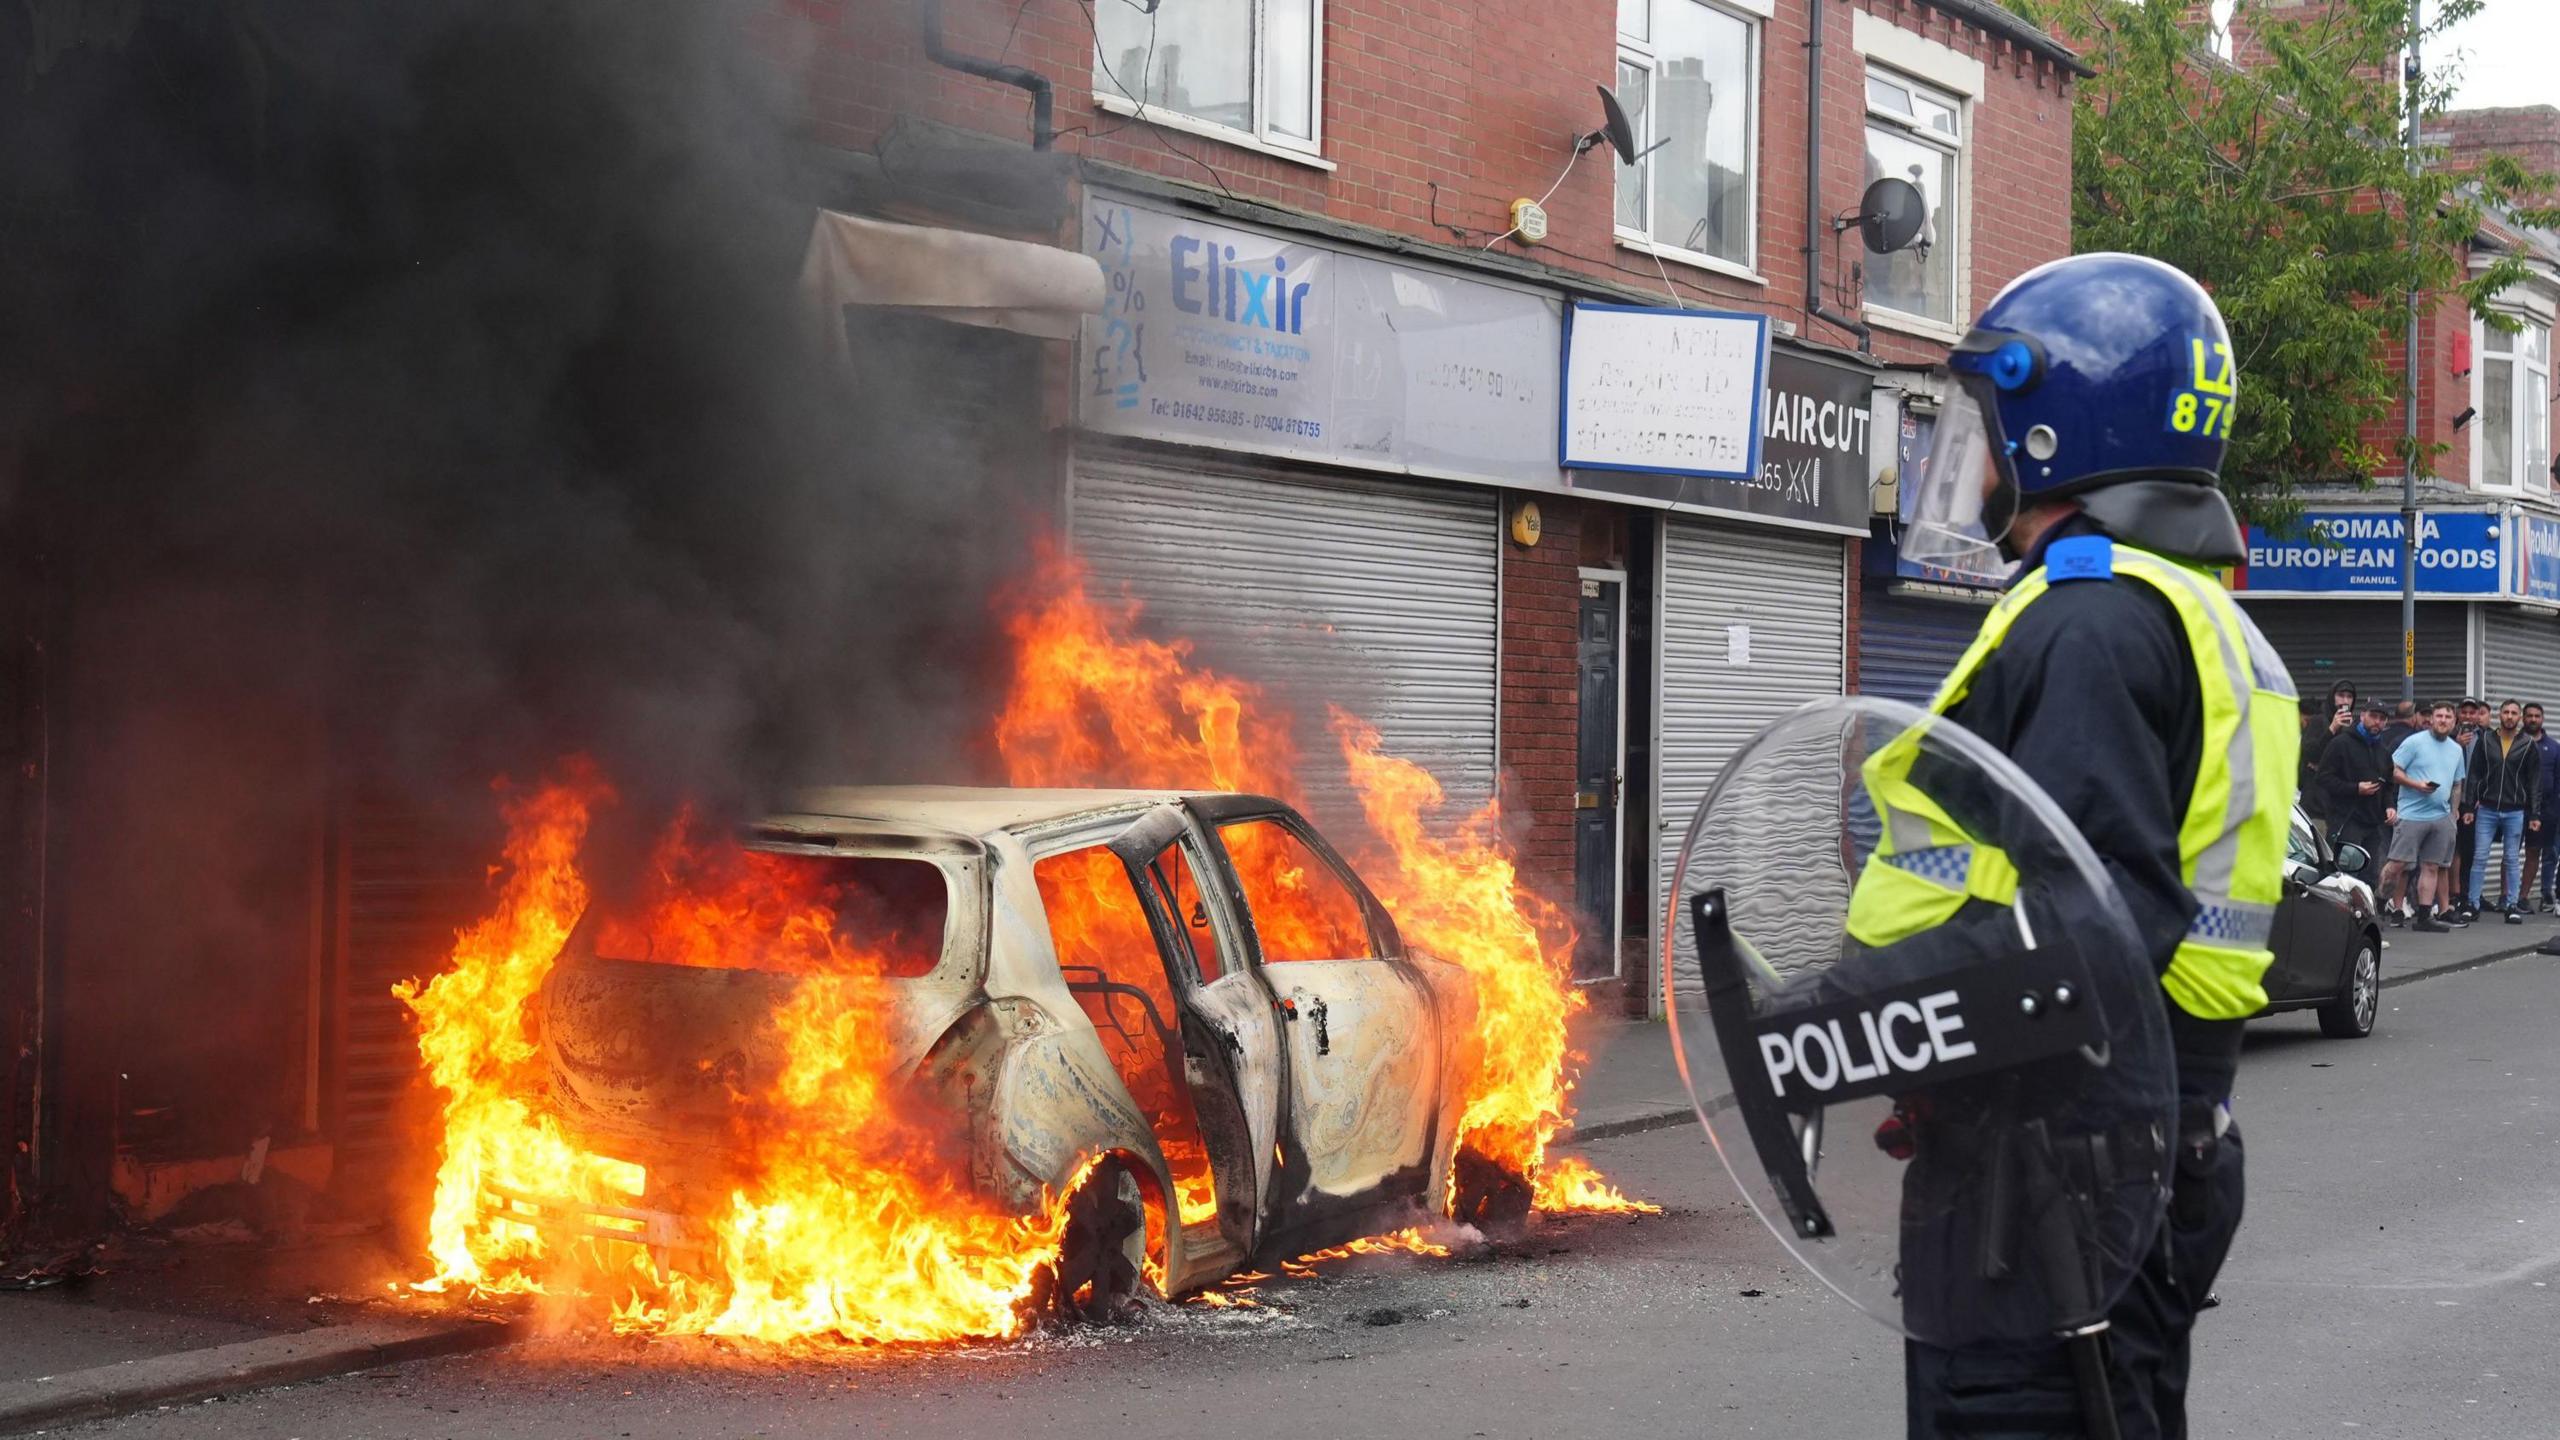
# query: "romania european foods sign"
2357, 552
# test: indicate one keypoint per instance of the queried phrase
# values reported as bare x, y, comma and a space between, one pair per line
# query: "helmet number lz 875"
2206, 409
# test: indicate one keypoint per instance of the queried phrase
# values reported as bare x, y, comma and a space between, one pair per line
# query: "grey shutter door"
1791, 592
1379, 596
2326, 641
1907, 644
2520, 657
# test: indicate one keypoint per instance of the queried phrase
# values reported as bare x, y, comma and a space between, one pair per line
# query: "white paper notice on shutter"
1737, 644
1675, 391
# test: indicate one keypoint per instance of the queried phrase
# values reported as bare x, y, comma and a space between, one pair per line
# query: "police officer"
2084, 430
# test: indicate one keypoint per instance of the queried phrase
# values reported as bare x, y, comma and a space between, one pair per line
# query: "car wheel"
1102, 1257
2350, 1016
1490, 1195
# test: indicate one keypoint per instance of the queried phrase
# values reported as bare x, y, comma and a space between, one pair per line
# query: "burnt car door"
1231, 1056
1360, 1033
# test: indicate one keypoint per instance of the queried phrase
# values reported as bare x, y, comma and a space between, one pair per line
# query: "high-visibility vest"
2231, 845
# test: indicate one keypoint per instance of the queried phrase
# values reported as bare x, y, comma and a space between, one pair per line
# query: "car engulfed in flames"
1185, 1004
913, 1064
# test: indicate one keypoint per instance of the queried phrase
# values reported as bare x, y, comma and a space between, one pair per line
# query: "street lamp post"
2409, 95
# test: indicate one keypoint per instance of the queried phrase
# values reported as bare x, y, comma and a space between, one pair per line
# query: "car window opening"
724, 907
1302, 907
1108, 956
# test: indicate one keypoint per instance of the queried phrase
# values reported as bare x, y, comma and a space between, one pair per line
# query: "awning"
950, 274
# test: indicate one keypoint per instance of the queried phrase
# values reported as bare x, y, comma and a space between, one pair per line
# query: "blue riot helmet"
2103, 378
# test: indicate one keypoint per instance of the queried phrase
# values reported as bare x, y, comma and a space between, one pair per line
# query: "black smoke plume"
395, 396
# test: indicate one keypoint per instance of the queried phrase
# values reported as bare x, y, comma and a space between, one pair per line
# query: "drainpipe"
1043, 127
1814, 308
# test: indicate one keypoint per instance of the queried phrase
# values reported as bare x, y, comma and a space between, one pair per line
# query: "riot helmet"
2106, 378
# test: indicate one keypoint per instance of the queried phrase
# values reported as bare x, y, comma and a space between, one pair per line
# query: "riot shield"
1916, 1023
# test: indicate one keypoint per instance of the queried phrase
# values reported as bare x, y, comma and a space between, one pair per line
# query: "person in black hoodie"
2505, 794
2354, 785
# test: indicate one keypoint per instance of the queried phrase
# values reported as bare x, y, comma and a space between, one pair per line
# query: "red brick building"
1369, 505
2489, 558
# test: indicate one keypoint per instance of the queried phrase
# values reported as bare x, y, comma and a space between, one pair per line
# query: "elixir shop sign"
2357, 552
1219, 335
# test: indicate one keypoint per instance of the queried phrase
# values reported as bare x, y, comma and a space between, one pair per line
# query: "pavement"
176, 1324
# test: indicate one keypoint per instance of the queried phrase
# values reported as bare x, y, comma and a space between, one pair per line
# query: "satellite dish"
1614, 128
1891, 215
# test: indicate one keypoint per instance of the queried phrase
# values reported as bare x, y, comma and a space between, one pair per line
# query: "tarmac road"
2395, 1277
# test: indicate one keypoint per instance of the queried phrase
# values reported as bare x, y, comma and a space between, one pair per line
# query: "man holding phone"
2429, 769
2321, 726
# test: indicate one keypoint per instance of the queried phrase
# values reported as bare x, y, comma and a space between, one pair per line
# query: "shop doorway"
1599, 785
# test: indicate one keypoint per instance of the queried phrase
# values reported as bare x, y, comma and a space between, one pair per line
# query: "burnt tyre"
1099, 1273
2350, 1016
1489, 1195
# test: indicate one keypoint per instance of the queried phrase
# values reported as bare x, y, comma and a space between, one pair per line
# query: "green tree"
2286, 189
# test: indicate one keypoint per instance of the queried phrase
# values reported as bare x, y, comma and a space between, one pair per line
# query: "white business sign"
1227, 336
1667, 391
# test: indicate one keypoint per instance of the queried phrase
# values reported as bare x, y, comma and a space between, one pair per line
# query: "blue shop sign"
2357, 552
2538, 571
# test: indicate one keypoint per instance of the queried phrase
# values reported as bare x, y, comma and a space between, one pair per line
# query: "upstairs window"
1689, 76
2514, 445
1917, 133
1250, 69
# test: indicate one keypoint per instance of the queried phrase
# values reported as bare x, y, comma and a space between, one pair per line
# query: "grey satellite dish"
1618, 130
1891, 215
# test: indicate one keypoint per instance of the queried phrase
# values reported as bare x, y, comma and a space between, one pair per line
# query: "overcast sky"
2509, 53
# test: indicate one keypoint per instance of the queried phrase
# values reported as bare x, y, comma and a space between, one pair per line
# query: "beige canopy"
952, 274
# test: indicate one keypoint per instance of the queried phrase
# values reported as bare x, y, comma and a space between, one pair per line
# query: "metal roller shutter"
1377, 595
2326, 641
1907, 644
1791, 593
2520, 656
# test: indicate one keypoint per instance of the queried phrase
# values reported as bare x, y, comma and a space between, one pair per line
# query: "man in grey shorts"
2429, 768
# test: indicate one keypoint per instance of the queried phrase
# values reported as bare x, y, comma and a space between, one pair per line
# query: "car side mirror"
2352, 859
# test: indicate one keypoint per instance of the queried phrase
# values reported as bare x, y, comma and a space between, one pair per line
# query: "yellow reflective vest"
2230, 846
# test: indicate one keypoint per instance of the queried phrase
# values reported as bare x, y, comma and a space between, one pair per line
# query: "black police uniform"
2093, 693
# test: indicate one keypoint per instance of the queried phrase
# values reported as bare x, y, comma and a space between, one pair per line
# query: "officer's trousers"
2028, 1393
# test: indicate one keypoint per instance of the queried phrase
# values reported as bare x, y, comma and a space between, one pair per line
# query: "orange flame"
845, 1222
1093, 703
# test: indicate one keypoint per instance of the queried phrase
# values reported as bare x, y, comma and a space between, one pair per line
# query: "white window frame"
1952, 78
1109, 97
2521, 374
1638, 51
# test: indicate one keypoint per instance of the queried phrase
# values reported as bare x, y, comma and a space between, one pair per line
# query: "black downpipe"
1043, 113
1813, 302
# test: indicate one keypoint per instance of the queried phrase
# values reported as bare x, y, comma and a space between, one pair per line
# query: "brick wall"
2530, 133
1541, 689
1482, 100
2444, 321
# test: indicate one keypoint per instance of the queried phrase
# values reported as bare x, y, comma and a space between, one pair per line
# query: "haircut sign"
2357, 552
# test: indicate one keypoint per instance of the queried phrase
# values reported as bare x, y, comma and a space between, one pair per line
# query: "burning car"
1182, 1009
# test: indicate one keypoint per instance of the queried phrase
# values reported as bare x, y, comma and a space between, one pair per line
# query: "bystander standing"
2428, 767
2470, 718
2354, 786
2502, 792
2322, 724
2542, 865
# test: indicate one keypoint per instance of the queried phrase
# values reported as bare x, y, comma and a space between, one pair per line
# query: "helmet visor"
1943, 520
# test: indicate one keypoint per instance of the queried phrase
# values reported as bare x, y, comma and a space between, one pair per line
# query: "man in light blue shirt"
2429, 766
